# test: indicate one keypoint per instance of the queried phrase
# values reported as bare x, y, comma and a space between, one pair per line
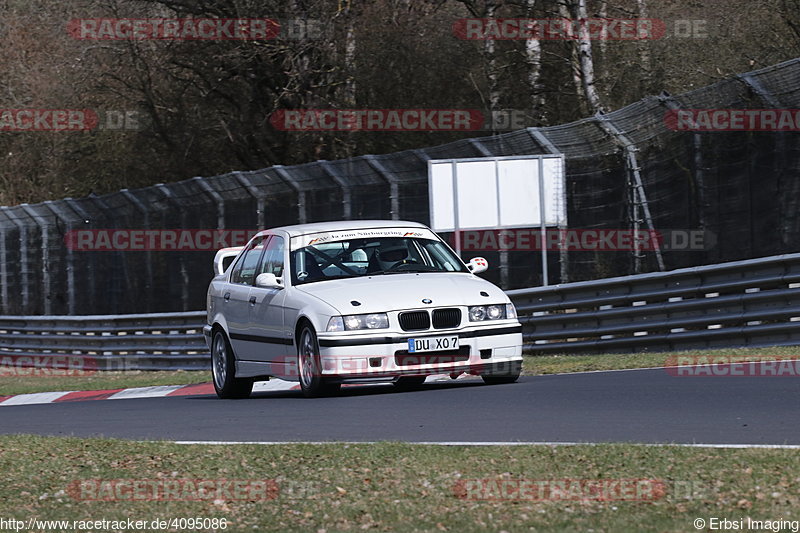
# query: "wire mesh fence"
625, 170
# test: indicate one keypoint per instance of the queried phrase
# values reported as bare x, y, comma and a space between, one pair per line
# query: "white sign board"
497, 193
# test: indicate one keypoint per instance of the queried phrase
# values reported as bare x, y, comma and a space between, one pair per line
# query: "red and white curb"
200, 389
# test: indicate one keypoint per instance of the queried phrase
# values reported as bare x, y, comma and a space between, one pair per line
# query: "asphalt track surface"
647, 406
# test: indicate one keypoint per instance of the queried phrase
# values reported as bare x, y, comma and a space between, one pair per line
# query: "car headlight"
488, 312
355, 322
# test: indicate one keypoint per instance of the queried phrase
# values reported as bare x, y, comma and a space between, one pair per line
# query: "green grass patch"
557, 364
23, 384
400, 487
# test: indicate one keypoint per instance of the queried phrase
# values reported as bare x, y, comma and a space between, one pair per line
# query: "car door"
236, 297
266, 308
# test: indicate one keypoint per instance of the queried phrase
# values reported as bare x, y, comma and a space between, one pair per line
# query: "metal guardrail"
744, 303
160, 341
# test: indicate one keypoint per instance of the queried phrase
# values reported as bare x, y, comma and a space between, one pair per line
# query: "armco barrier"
743, 303
160, 341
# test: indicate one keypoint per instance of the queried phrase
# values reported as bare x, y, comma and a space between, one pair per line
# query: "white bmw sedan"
356, 302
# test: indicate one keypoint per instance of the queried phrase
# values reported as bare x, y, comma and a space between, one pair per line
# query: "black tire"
505, 375
409, 382
309, 370
223, 370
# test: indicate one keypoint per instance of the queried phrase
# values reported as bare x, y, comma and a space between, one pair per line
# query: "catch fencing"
626, 169
744, 303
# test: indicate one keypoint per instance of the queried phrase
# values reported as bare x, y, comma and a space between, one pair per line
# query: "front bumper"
488, 350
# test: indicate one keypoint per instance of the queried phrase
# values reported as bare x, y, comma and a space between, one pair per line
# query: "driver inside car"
388, 256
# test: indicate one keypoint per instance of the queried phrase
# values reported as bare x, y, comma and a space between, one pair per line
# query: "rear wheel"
223, 370
309, 368
508, 374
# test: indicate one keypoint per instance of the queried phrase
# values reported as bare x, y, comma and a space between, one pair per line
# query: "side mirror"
477, 265
268, 281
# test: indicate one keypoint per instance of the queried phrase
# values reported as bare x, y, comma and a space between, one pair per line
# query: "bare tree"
487, 9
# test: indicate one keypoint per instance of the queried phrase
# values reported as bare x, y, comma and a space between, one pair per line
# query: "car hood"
404, 291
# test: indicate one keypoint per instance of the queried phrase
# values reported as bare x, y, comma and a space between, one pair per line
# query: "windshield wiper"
327, 278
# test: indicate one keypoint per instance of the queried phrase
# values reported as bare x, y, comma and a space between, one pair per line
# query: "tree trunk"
489, 50
533, 57
586, 60
644, 53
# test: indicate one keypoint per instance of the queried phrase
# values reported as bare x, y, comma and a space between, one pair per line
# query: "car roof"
344, 225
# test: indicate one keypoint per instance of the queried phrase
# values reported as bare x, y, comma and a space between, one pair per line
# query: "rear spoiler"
224, 258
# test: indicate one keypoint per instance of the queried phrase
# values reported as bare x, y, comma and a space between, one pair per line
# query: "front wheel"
309, 368
508, 374
223, 370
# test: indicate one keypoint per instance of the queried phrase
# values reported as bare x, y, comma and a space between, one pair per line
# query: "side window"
245, 270
273, 257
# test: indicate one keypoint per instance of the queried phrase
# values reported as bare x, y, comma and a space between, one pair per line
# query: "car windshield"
371, 256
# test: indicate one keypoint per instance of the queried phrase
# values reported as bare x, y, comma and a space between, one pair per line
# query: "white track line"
500, 443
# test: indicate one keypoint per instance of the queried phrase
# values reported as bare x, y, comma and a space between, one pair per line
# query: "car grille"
446, 318
415, 321
403, 358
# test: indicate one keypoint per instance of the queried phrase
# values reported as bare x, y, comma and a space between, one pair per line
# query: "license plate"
433, 344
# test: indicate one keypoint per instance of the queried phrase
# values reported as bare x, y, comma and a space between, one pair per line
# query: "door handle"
227, 296
252, 300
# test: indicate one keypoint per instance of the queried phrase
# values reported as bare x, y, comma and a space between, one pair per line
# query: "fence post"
778, 161
184, 274
3, 271
44, 229
50, 205
83, 215
394, 189
255, 193
563, 256
504, 274
23, 257
347, 189
120, 255
216, 197
148, 257
697, 162
302, 216
638, 187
